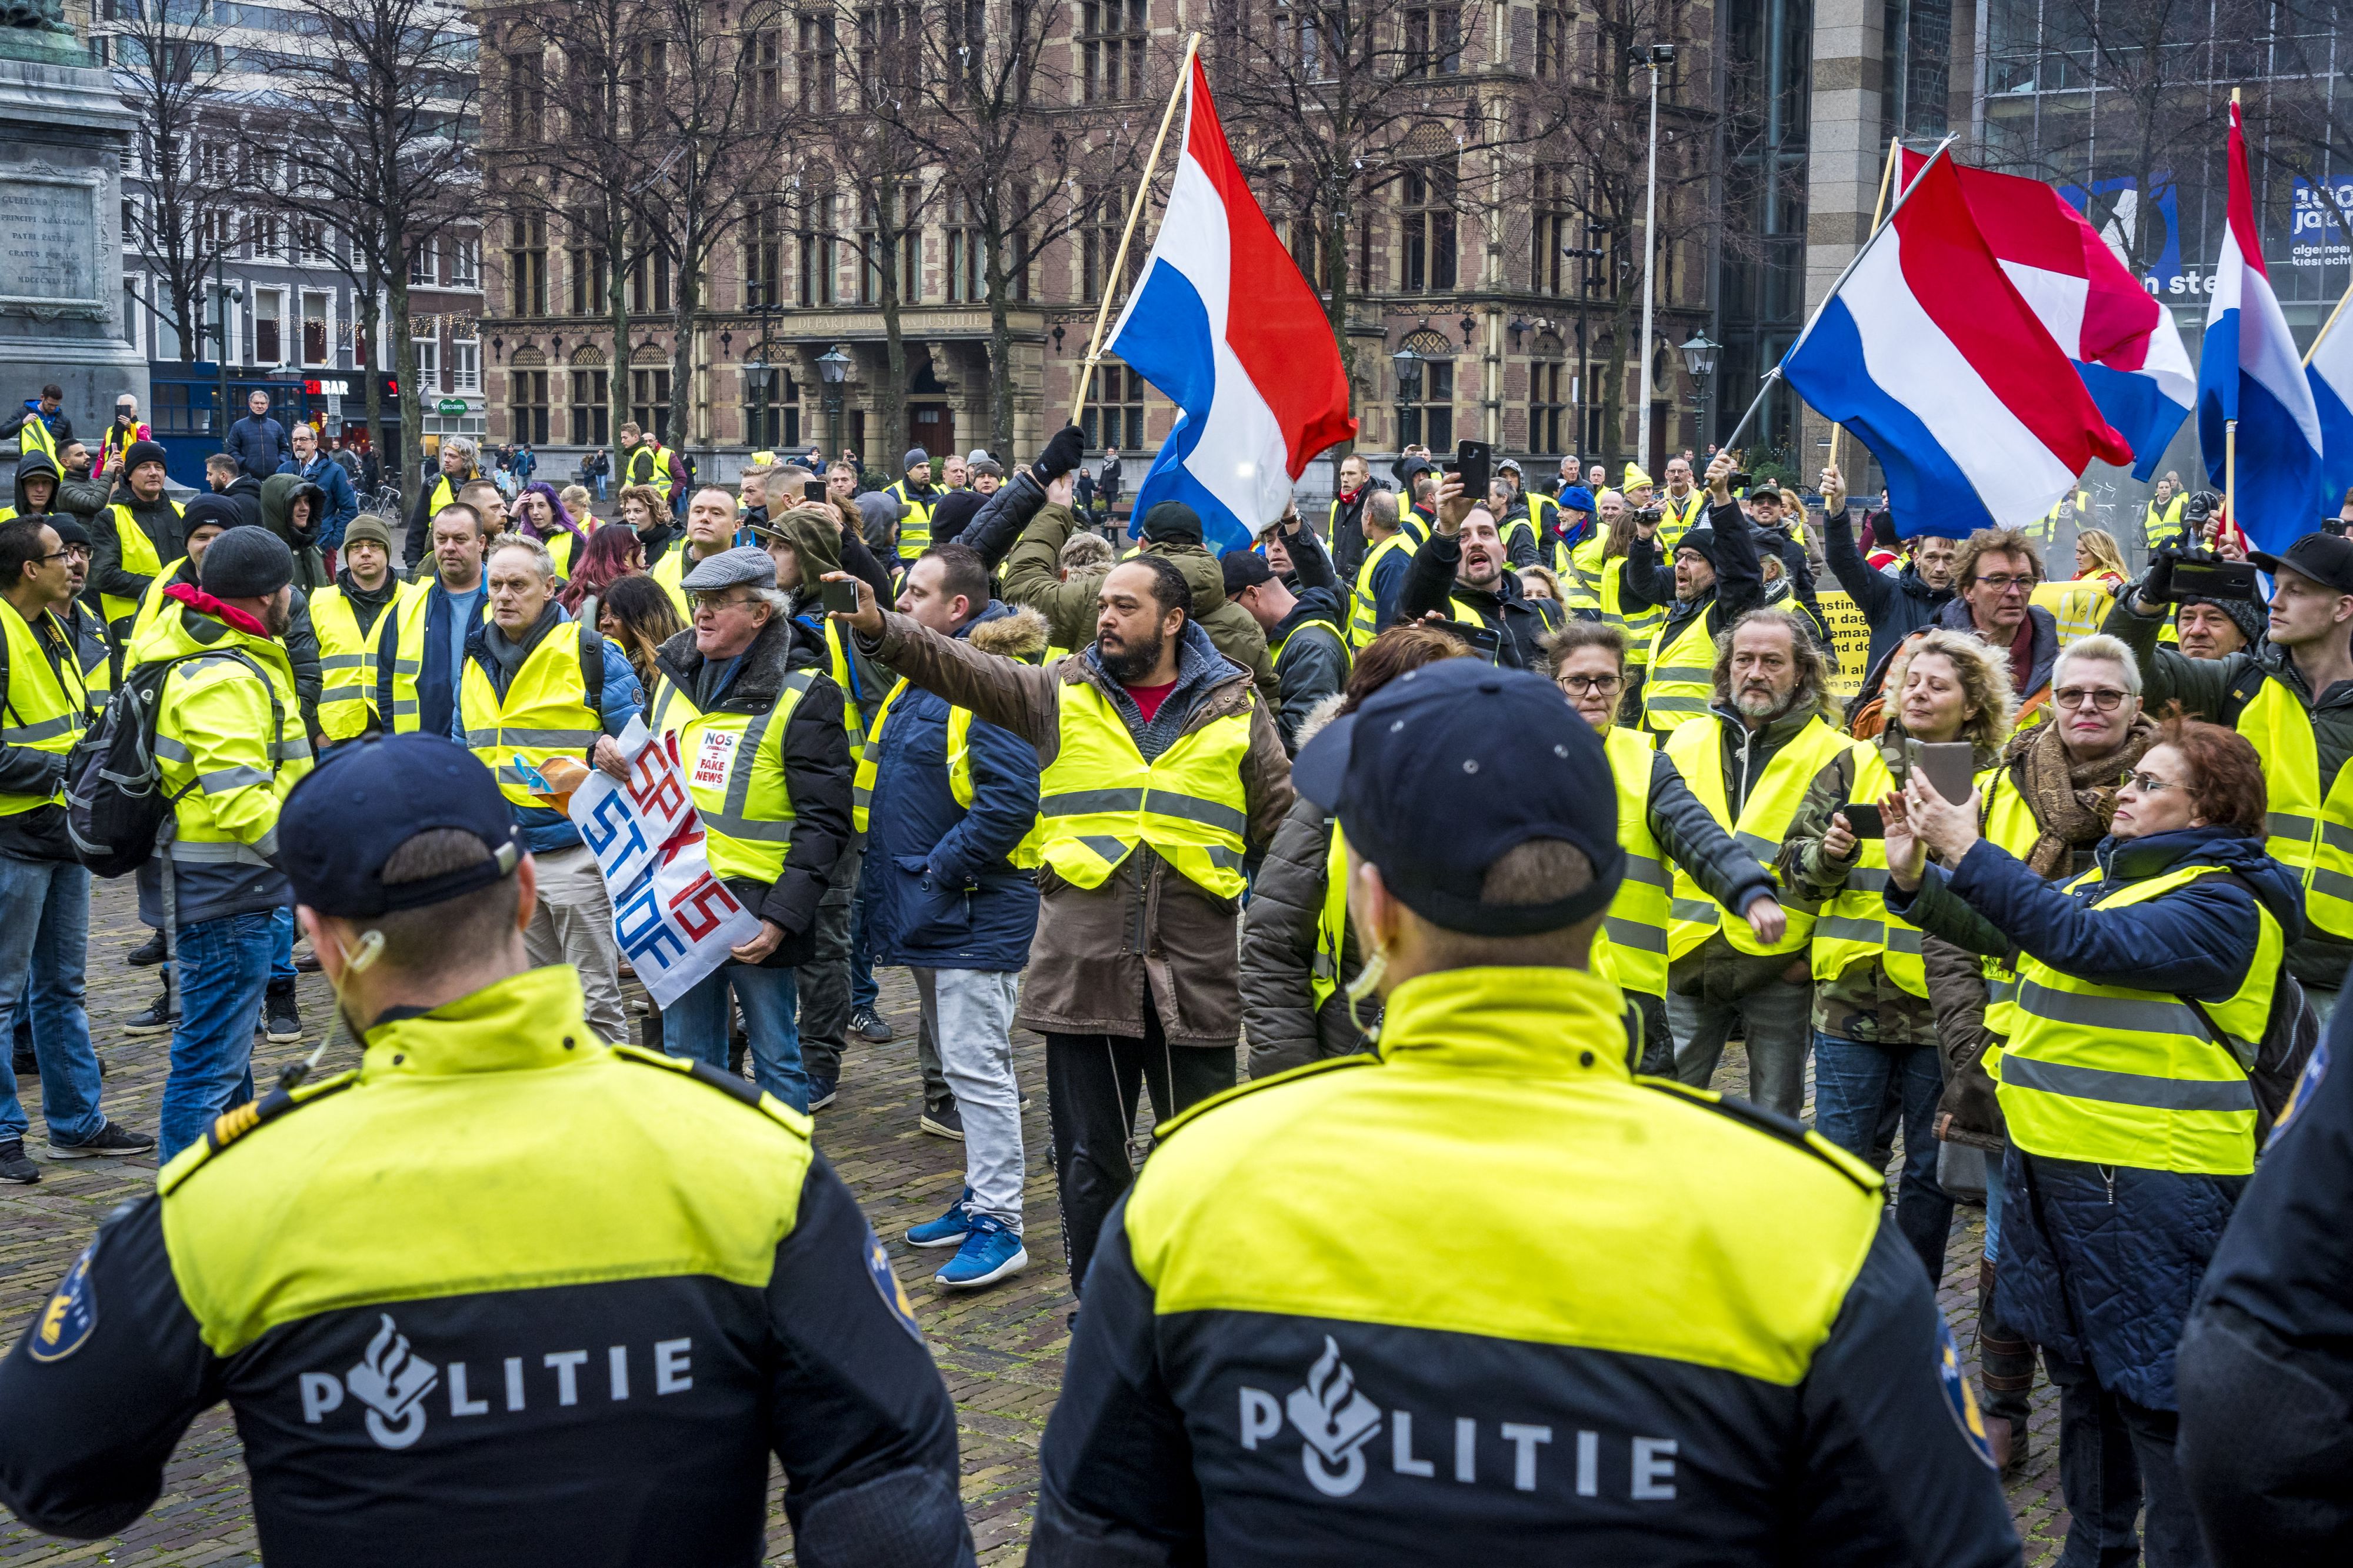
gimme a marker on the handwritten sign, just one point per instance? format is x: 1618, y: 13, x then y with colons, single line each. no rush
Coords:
x: 674, y: 920
x: 1849, y: 638
x: 49, y: 240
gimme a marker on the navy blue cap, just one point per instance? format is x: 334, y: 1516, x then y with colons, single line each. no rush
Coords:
x: 1451, y: 766
x: 366, y: 799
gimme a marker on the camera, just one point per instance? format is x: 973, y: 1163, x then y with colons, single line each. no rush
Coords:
x: 1649, y: 513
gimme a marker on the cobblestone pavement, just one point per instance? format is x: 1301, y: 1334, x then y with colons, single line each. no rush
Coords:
x: 1001, y: 1350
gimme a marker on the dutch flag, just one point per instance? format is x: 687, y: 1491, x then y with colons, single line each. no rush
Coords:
x: 1223, y: 324
x: 2249, y: 372
x: 1926, y: 353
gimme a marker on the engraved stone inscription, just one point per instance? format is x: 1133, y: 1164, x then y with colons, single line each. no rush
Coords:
x: 49, y: 240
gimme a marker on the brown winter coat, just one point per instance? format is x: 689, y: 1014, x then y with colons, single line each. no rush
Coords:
x: 1097, y: 948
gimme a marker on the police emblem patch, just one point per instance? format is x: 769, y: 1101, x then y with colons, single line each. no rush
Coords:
x: 1959, y: 1398
x: 887, y: 1286
x: 71, y: 1316
x: 2308, y: 1084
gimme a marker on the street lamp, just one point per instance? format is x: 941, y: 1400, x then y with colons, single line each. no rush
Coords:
x: 1650, y: 56
x: 1699, y: 358
x: 831, y: 366
x: 1408, y: 381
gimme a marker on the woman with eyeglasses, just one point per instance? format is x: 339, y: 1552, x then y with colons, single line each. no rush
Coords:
x: 1659, y: 821
x: 2144, y: 984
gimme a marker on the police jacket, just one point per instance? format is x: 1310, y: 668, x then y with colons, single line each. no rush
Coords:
x: 501, y: 1296
x: 815, y: 751
x: 1547, y: 1352
x: 2265, y: 1369
x: 1431, y: 585
x: 1894, y: 607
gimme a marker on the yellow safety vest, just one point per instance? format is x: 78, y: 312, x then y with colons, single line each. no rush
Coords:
x: 33, y: 435
x: 1541, y: 510
x: 1100, y: 799
x: 1682, y: 674
x: 138, y: 559
x: 1678, y: 518
x: 153, y: 610
x: 1026, y: 855
x: 547, y: 711
x: 1697, y: 752
x: 1580, y: 571
x: 852, y: 721
x: 2009, y: 824
x: 2045, y: 529
x: 658, y: 471
x: 2308, y: 823
x: 47, y: 706
x: 672, y: 570
x: 1363, y: 623
x: 1609, y: 590
x: 1856, y: 927
x: 915, y: 528
x: 736, y: 771
x: 2112, y: 1076
x: 2159, y: 527
x: 1331, y: 922
x: 560, y: 547
x: 402, y: 626
x: 117, y: 443
x: 1322, y: 627
x: 1637, y: 922
x: 346, y: 659
x: 2080, y: 606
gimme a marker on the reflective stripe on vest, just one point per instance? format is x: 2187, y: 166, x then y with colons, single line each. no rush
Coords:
x: 346, y: 664
x: 1363, y: 623
x: 2112, y: 1076
x: 1323, y: 627
x: 1856, y: 927
x: 853, y: 721
x: 1640, y: 627
x: 915, y: 528
x: 1331, y: 921
x: 1026, y: 855
x: 47, y: 707
x: 1637, y: 922
x: 1101, y: 799
x: 1679, y: 517
x: 402, y: 625
x: 2308, y: 831
x: 542, y: 716
x: 2159, y: 527
x: 1697, y: 752
x: 1682, y: 675
x: 735, y: 771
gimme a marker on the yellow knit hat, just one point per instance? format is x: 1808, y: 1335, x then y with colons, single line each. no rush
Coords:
x: 1637, y: 479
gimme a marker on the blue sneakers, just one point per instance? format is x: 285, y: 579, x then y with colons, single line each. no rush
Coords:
x: 989, y: 1252
x: 948, y: 1230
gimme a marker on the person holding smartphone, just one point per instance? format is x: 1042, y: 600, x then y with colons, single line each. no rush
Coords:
x: 1465, y: 574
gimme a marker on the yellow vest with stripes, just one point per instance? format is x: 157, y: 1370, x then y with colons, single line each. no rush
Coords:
x: 1363, y: 617
x: 2309, y: 821
x: 402, y: 627
x: 33, y: 435
x: 736, y: 771
x: 1856, y: 927
x: 1637, y: 922
x: 47, y: 706
x: 1026, y: 855
x: 544, y: 714
x: 2160, y: 525
x: 1682, y: 674
x: 347, y: 660
x: 2113, y: 1076
x: 1697, y: 752
x: 915, y: 528
x: 2080, y: 606
x: 1678, y: 518
x: 138, y: 559
x: 1100, y: 799
x: 2009, y: 824
x: 1322, y: 628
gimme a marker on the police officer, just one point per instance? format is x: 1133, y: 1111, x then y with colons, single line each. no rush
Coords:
x: 1448, y: 1301
x: 461, y: 1322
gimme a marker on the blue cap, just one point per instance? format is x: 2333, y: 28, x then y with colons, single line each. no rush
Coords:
x: 366, y: 799
x: 1451, y: 766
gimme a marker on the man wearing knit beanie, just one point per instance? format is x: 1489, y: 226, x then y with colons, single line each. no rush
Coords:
x: 230, y: 740
x: 132, y: 540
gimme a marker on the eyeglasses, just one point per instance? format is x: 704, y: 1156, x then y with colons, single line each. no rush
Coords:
x: 1574, y: 683
x: 2003, y: 583
x: 2149, y: 784
x: 719, y: 601
x: 2105, y: 698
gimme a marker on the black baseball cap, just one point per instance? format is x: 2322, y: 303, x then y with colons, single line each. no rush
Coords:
x: 366, y: 799
x: 2325, y: 558
x: 1244, y: 569
x: 1448, y: 768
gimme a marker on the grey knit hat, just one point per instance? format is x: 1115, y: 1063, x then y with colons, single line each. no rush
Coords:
x: 915, y: 454
x: 247, y: 563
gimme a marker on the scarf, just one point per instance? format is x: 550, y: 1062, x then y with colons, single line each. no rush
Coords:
x: 2072, y: 801
x: 204, y: 604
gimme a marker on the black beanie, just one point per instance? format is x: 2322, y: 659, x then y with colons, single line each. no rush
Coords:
x: 247, y: 563
x: 145, y: 452
x: 1700, y: 542
x: 1172, y: 522
x: 70, y: 529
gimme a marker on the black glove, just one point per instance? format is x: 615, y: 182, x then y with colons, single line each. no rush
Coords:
x: 2157, y: 583
x: 1061, y: 454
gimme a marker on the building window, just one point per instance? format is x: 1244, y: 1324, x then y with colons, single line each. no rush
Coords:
x: 428, y: 362
x: 817, y: 257
x: 527, y: 265
x: 650, y: 401
x: 908, y: 263
x: 527, y: 407
x: 1547, y: 409
x: 269, y: 324
x: 317, y: 313
x: 268, y: 236
x: 1098, y: 242
x: 814, y: 63
x: 591, y: 417
x: 1427, y: 255
x: 1114, y: 414
x: 1111, y: 48
x: 772, y: 415
x: 767, y: 52
x: 889, y: 43
x: 526, y: 96
x: 967, y: 270
x: 465, y: 263
x: 1431, y: 422
x: 649, y: 285
x: 648, y: 74
x: 465, y: 364
x: 310, y: 242
x: 764, y: 257
x: 1552, y: 42
x: 1548, y: 272
x: 424, y: 266
x: 1433, y: 39
x: 584, y: 262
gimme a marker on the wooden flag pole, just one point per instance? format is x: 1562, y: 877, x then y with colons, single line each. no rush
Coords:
x: 2231, y: 472
x: 2327, y: 325
x: 1878, y: 209
x: 1134, y: 212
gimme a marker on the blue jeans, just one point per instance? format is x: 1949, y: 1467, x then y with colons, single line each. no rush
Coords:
x: 224, y: 970
x: 281, y: 950
x: 44, y: 942
x: 696, y: 1025
x: 1851, y: 1081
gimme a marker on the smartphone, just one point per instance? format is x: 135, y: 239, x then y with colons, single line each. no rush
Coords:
x: 1484, y: 641
x: 814, y: 489
x: 1950, y: 768
x: 1474, y: 461
x: 1863, y: 820
x: 2211, y: 579
x: 840, y: 598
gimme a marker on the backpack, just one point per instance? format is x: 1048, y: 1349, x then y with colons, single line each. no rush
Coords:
x: 2290, y: 1034
x: 115, y: 803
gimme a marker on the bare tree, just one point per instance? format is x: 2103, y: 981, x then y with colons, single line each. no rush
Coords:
x: 168, y: 69
x: 386, y: 89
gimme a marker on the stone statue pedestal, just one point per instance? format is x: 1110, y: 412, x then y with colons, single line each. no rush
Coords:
x: 64, y: 133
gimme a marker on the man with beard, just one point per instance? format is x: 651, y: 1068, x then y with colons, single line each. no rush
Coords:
x: 1683, y: 506
x: 1894, y: 607
x: 1463, y: 574
x: 1160, y: 774
x: 229, y: 740
x: 1749, y: 759
x: 1714, y: 579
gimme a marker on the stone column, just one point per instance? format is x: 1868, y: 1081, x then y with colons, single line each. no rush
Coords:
x: 1846, y: 150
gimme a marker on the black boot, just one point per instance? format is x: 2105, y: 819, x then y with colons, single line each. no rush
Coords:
x: 2006, y: 1369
